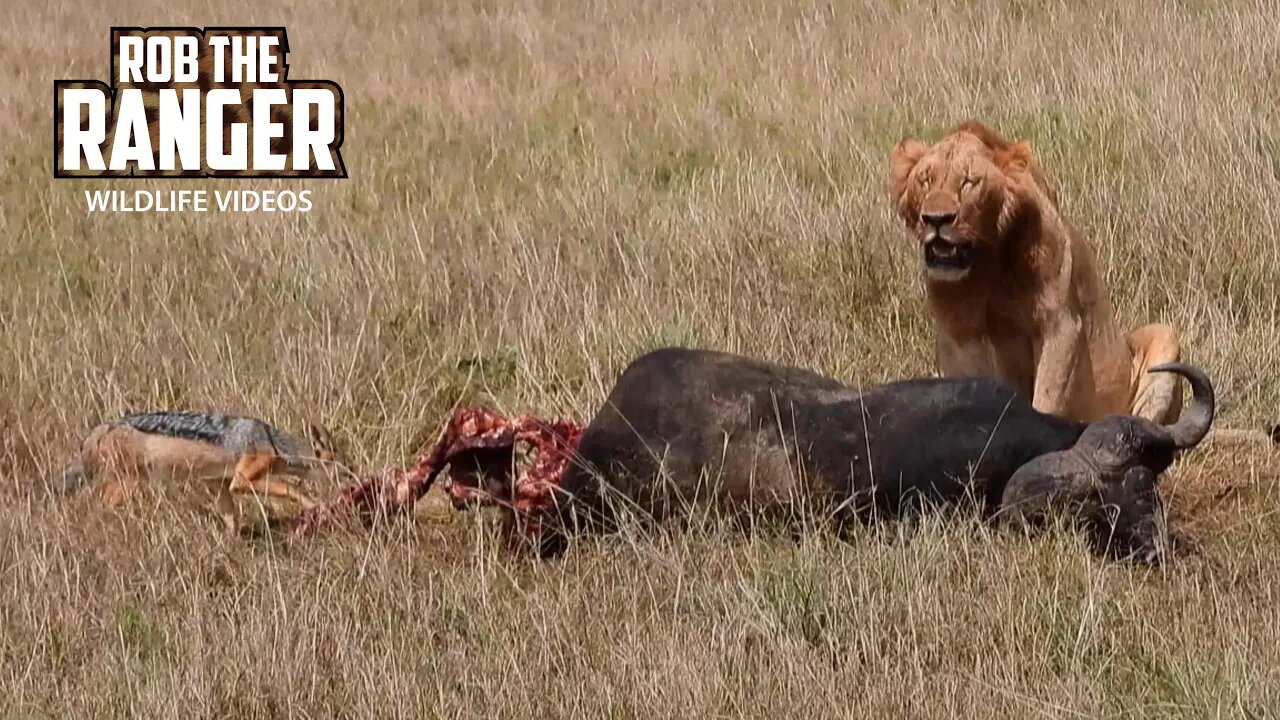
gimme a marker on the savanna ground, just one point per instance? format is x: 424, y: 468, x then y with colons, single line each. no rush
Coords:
x: 537, y: 194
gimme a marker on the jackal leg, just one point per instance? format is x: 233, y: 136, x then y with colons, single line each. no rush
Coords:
x: 227, y: 510
x: 1157, y: 396
x: 118, y: 489
x: 251, y: 476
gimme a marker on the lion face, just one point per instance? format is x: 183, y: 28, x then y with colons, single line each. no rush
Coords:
x: 959, y: 197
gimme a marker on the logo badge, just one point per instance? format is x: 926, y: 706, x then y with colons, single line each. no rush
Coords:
x: 186, y: 102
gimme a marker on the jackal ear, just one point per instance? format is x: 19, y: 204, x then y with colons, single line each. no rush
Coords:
x: 321, y: 439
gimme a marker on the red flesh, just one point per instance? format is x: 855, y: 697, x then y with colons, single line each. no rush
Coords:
x: 478, y: 446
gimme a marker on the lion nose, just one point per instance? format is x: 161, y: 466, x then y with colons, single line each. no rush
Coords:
x: 937, y: 218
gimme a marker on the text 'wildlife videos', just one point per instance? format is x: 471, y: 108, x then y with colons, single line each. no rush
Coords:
x: 247, y: 201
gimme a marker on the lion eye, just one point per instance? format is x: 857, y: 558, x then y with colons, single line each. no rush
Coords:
x: 968, y: 183
x: 924, y: 180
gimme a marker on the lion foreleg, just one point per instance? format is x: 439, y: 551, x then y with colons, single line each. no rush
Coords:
x: 1156, y: 396
x: 1064, y: 372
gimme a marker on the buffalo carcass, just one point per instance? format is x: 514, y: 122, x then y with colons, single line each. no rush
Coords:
x: 693, y: 428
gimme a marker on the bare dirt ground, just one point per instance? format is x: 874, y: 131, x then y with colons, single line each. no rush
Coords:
x: 537, y: 194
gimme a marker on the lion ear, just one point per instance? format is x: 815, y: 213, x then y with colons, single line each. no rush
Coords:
x: 905, y: 156
x: 903, y: 160
x: 1016, y: 158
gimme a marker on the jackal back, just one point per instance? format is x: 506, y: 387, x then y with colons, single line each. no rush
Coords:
x: 232, y: 432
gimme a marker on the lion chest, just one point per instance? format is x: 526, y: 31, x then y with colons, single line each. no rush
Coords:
x: 1013, y: 359
x: 993, y: 339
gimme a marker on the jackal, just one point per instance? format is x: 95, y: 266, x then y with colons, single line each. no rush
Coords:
x: 239, y: 454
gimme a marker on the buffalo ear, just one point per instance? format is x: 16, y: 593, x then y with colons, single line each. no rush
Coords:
x: 1017, y: 158
x: 906, y: 154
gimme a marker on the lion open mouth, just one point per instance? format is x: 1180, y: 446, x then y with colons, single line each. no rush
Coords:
x: 947, y: 260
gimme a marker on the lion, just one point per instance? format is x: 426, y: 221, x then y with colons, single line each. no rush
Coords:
x: 1014, y: 290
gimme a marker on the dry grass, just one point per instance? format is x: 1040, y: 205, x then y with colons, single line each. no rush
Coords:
x: 539, y: 193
